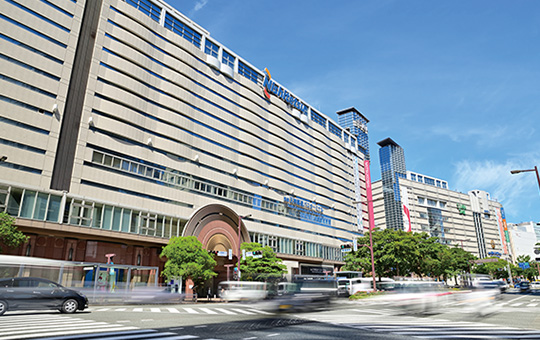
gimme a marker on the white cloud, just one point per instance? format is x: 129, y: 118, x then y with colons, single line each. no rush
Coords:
x: 518, y: 193
x: 200, y: 4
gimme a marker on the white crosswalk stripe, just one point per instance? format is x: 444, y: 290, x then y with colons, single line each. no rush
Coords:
x: 260, y: 311
x: 208, y: 311
x: 242, y: 311
x: 34, y: 326
x: 189, y: 310
x: 59, y: 327
x: 225, y: 311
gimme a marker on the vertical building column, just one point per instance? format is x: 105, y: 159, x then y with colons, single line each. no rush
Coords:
x: 71, y: 117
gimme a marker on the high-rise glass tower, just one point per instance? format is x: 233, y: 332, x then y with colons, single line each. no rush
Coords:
x: 356, y: 123
x: 392, y: 159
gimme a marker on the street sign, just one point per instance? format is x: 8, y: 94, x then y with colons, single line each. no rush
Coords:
x: 346, y: 250
x: 221, y: 253
x: 249, y: 253
x: 484, y: 260
x: 524, y: 265
x: 230, y: 254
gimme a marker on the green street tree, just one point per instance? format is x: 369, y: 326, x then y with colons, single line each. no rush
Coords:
x: 187, y: 258
x: 496, y: 270
x: 455, y: 261
x: 400, y: 253
x: 10, y: 236
x: 528, y: 273
x: 268, y: 267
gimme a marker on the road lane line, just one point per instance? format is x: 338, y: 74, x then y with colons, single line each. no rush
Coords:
x: 173, y: 310
x: 191, y: 311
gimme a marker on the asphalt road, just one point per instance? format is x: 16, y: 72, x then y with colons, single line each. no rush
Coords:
x: 511, y: 316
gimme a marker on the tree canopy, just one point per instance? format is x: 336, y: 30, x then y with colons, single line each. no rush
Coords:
x: 187, y: 258
x: 10, y: 236
x: 400, y: 253
x: 263, y: 268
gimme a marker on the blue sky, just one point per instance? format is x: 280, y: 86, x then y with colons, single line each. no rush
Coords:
x: 455, y: 83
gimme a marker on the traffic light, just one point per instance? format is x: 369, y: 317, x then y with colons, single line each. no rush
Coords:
x: 257, y: 252
x: 345, y: 248
x: 213, y: 252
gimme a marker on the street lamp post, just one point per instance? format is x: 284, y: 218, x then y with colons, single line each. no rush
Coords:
x: 240, y: 241
x: 371, y: 250
x: 513, y: 172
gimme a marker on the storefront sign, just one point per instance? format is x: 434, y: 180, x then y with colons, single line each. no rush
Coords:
x: 270, y: 87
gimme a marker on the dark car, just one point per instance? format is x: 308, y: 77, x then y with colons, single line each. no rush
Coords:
x: 523, y: 286
x: 31, y: 293
x: 307, y: 294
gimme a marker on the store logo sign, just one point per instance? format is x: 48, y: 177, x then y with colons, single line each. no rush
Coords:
x: 270, y: 87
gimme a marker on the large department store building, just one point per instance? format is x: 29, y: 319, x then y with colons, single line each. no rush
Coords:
x: 411, y: 201
x: 123, y: 123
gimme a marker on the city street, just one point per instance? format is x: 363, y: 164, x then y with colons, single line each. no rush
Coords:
x: 513, y: 316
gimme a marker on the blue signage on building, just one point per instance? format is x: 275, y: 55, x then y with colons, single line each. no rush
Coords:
x: 306, y: 211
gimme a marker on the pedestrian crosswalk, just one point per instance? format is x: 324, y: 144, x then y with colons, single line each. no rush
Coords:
x: 428, y: 328
x: 42, y: 326
x: 38, y: 325
x: 185, y: 310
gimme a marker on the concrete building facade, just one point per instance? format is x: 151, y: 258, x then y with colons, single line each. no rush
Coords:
x: 523, y: 239
x: 124, y: 123
x: 472, y: 221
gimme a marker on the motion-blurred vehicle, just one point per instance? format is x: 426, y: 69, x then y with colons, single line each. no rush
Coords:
x: 286, y: 288
x: 151, y: 295
x: 308, y: 293
x: 242, y: 290
x: 31, y: 293
x: 418, y: 297
x: 365, y: 284
x: 343, y: 287
x: 523, y: 286
x: 484, y: 284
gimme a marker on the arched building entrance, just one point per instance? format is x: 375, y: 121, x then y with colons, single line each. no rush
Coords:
x: 216, y: 227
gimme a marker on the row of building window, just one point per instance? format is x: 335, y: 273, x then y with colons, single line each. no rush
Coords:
x: 430, y: 181
x: 42, y: 206
x: 48, y: 207
x: 431, y: 203
x: 284, y: 245
x: 188, y: 182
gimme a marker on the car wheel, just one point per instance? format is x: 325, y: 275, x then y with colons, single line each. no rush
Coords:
x: 3, y: 307
x: 69, y: 306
